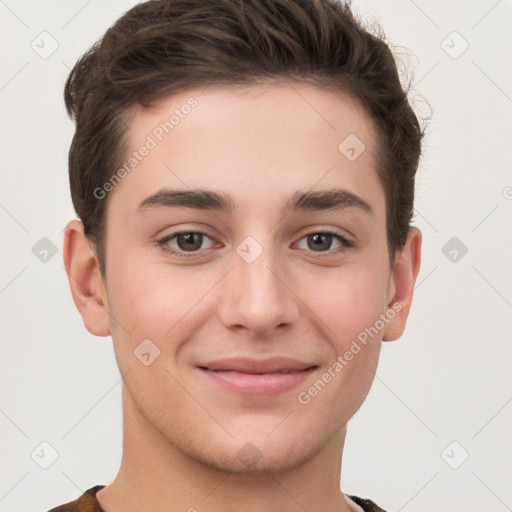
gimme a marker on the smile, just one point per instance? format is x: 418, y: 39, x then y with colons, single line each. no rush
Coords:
x: 250, y: 377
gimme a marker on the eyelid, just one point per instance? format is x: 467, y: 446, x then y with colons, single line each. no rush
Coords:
x: 311, y: 230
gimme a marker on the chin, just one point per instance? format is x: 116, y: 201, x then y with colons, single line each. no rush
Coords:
x: 253, y: 453
x: 251, y: 460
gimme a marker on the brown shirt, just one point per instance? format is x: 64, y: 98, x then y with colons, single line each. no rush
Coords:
x: 87, y: 502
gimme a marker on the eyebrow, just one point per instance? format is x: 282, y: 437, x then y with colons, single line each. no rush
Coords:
x: 334, y: 199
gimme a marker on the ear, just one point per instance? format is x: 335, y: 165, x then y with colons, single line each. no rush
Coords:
x: 402, y: 280
x: 85, y: 280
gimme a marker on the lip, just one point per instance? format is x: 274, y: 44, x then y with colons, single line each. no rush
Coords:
x: 253, y: 377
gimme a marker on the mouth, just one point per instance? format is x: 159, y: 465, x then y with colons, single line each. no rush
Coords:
x: 251, y: 377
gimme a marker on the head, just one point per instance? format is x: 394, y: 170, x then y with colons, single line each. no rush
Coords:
x: 292, y: 118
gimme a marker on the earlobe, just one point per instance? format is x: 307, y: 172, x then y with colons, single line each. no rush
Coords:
x: 85, y: 279
x: 403, y: 278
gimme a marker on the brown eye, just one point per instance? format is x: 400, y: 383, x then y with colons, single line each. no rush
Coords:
x: 189, y: 241
x: 319, y: 241
x: 183, y: 242
x: 322, y: 242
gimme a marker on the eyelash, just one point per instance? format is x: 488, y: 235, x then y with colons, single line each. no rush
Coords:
x: 163, y: 243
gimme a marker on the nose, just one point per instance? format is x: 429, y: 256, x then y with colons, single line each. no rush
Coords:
x: 258, y: 295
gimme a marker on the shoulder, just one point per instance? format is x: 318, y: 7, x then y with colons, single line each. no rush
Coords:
x: 87, y: 502
x: 366, y: 504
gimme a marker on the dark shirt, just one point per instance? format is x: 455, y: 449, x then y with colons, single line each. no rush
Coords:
x: 88, y: 502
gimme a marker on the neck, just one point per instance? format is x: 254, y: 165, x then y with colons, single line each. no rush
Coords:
x: 156, y: 475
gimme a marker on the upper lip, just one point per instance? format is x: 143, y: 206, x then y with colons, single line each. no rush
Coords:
x: 250, y: 365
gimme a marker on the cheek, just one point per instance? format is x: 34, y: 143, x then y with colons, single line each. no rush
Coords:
x: 349, y: 308
x: 356, y: 300
x: 156, y: 299
x: 347, y: 302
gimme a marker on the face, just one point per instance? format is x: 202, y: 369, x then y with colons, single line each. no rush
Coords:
x: 191, y: 282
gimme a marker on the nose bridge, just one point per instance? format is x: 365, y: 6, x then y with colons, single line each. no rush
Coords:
x: 254, y: 295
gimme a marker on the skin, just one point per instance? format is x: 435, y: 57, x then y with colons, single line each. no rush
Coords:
x: 182, y: 434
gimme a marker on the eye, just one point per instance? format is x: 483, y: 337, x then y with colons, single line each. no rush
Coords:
x: 186, y: 242
x: 322, y: 241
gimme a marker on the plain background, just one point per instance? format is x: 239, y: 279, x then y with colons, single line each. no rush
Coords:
x: 442, y: 392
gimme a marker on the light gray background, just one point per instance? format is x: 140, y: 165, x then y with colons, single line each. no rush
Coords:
x: 447, y: 379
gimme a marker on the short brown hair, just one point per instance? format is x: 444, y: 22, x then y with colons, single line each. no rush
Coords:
x: 162, y: 47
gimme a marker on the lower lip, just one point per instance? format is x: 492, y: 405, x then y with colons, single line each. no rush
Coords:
x: 260, y: 384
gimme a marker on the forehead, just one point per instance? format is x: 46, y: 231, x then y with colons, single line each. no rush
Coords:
x: 261, y: 110
x: 253, y: 141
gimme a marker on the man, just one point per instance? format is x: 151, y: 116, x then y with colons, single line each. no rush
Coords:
x: 275, y: 139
